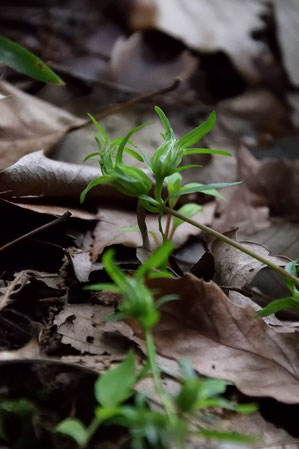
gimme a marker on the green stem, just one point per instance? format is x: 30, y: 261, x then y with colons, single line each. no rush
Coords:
x: 151, y: 355
x: 233, y: 243
x: 158, y: 191
x: 92, y: 428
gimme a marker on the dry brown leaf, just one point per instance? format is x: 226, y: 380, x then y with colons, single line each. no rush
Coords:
x: 236, y: 269
x: 82, y: 326
x: 225, y: 341
x: 148, y: 72
x: 107, y: 231
x: 29, y: 124
x: 243, y: 209
x: 204, y: 26
x: 35, y: 174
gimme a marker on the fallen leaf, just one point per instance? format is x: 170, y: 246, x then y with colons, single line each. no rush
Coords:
x: 190, y: 21
x: 29, y: 124
x: 30, y: 351
x: 286, y: 16
x: 242, y: 209
x: 225, y: 341
x: 150, y: 72
x: 37, y: 175
x: 82, y: 326
x: 236, y: 269
x: 108, y: 230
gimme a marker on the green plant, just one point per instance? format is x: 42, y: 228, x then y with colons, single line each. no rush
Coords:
x: 289, y: 301
x: 21, y: 408
x: 116, y: 386
x: 23, y: 61
x: 165, y: 166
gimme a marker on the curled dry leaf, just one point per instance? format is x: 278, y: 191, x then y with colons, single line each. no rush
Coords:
x: 149, y: 72
x: 29, y: 124
x: 37, y: 175
x: 236, y: 269
x: 203, y: 26
x: 225, y: 341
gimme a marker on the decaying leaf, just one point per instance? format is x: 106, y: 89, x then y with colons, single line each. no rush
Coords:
x: 108, y: 230
x: 203, y: 26
x: 35, y: 174
x: 243, y: 209
x: 29, y: 124
x: 149, y: 72
x: 83, y: 327
x: 236, y: 269
x: 225, y: 341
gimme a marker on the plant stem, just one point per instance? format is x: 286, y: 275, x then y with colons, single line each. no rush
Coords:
x: 92, y: 428
x: 151, y: 355
x: 167, y: 227
x: 233, y: 243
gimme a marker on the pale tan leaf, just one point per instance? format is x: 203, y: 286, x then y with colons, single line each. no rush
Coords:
x: 29, y: 124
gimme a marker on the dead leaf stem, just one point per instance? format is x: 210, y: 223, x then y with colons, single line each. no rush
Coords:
x: 233, y: 243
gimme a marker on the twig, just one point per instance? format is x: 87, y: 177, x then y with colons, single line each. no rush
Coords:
x: 233, y: 243
x: 63, y: 217
x: 133, y: 101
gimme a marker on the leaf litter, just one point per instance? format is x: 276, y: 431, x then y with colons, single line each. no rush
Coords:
x: 215, y: 325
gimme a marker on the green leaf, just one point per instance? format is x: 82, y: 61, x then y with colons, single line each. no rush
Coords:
x: 168, y: 129
x: 134, y: 154
x: 125, y: 141
x: 105, y: 137
x: 197, y: 133
x: 205, y: 188
x: 103, y: 286
x: 116, y: 274
x: 225, y: 436
x: 205, y: 151
x: 95, y: 182
x: 23, y: 61
x: 292, y: 269
x: 189, y: 210
x: 89, y: 156
x: 155, y: 260
x: 186, y: 167
x: 20, y: 407
x: 173, y: 183
x: 279, y: 304
x: 75, y: 429
x: 115, y: 386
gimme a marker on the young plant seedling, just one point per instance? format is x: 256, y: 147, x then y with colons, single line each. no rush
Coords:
x: 165, y: 167
x: 115, y: 387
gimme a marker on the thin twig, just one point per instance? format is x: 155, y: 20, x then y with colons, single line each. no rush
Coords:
x: 63, y: 217
x: 233, y: 243
x: 132, y: 102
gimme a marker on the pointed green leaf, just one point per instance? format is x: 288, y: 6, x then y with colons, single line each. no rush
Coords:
x: 292, y: 269
x: 225, y: 436
x: 155, y: 260
x: 103, y: 286
x: 168, y: 129
x: 23, y: 61
x: 115, y: 385
x: 205, y: 188
x: 279, y: 304
x: 75, y: 429
x: 134, y: 154
x: 125, y: 141
x: 94, y: 183
x: 189, y: 210
x: 99, y: 128
x: 197, y: 133
x: 186, y: 167
x: 116, y: 274
x: 205, y: 151
x: 89, y: 156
